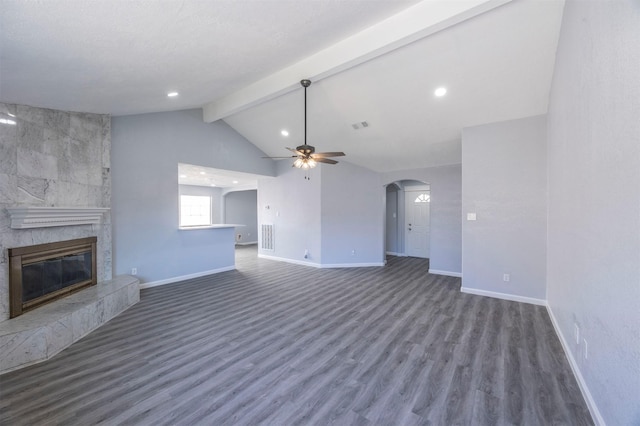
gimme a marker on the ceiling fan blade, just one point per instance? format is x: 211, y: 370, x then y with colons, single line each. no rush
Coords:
x: 327, y: 154
x: 325, y: 160
x: 295, y: 151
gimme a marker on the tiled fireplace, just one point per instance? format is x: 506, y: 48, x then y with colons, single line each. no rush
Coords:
x: 55, y: 295
x: 43, y: 273
x: 55, y: 186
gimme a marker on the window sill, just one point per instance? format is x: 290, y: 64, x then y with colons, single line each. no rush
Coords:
x: 214, y: 226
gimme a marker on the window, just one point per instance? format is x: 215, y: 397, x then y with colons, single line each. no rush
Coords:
x: 195, y: 210
x: 423, y: 198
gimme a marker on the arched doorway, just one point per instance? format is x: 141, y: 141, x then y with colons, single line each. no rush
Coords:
x: 407, y: 218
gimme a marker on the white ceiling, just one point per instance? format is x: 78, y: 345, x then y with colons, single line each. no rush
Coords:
x: 496, y: 66
x: 122, y: 57
x: 191, y: 174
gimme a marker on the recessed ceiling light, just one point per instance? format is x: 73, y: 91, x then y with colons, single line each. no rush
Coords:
x: 440, y: 91
x: 213, y: 184
x: 202, y: 173
x: 284, y: 132
x: 235, y: 181
x: 172, y: 94
x: 183, y: 176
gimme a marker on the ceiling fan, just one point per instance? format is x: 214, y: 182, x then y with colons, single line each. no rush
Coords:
x: 306, y: 155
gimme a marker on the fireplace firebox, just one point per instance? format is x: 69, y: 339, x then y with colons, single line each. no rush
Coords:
x: 42, y: 273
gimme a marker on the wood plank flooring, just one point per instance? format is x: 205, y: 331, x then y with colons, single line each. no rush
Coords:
x: 280, y: 344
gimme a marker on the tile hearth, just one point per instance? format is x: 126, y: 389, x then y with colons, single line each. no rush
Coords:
x: 40, y: 334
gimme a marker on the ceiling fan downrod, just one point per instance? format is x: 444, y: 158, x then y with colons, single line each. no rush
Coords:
x: 305, y: 83
x: 306, y: 155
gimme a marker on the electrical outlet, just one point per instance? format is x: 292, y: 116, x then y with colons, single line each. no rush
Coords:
x: 506, y: 277
x: 576, y: 331
x: 585, y: 350
x: 134, y: 271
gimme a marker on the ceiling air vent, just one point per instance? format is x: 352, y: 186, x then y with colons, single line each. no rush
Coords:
x: 360, y: 125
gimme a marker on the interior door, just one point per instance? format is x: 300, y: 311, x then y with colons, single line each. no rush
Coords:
x: 417, y: 220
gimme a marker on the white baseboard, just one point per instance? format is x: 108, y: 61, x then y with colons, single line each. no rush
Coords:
x: 320, y: 265
x: 350, y: 265
x: 286, y: 260
x: 591, y: 404
x: 250, y: 243
x: 187, y: 277
x: 392, y: 253
x: 505, y: 296
x: 593, y: 408
x: 447, y: 273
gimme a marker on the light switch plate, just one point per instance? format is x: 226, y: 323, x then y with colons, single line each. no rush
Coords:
x: 471, y: 216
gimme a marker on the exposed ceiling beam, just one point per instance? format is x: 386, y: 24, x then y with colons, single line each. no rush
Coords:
x: 414, y: 23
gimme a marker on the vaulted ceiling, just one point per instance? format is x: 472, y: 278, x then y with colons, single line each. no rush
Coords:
x: 377, y: 61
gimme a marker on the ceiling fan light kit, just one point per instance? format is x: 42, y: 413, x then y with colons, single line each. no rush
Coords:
x: 305, y: 155
x: 304, y: 163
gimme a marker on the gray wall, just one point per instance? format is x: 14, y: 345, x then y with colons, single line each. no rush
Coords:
x: 56, y: 159
x: 446, y: 217
x: 391, y: 218
x: 338, y: 210
x: 292, y: 204
x: 241, y: 207
x: 504, y: 183
x: 146, y: 150
x: 593, y: 258
x: 352, y: 218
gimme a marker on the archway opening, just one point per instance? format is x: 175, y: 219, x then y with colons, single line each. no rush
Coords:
x: 407, y: 227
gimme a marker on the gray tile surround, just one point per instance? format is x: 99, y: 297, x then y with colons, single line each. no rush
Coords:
x: 56, y: 159
x: 40, y: 334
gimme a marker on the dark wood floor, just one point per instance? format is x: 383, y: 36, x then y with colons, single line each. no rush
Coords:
x: 280, y: 344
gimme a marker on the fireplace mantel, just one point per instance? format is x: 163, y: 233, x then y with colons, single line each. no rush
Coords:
x: 42, y: 217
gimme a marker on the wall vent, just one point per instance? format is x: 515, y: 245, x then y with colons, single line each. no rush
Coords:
x: 267, y: 237
x: 360, y: 125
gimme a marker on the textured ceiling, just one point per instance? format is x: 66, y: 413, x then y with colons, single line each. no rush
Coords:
x: 496, y: 66
x: 123, y: 56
